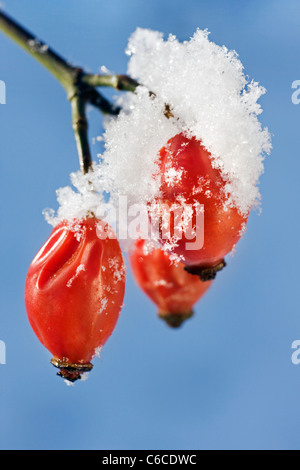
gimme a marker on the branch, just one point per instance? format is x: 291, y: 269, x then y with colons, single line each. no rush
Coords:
x: 119, y: 82
x: 80, y: 128
x: 79, y: 86
x: 59, y: 67
x: 96, y: 99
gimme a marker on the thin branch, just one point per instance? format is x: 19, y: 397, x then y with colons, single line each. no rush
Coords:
x: 81, y: 87
x: 59, y: 67
x: 96, y: 99
x: 79, y: 92
x: 119, y: 82
x: 80, y: 128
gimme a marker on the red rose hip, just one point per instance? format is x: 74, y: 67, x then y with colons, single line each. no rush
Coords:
x: 189, y: 179
x: 167, y: 284
x: 74, y: 294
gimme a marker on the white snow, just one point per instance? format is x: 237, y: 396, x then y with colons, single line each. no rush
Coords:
x: 103, y: 307
x: 117, y: 269
x: 79, y: 269
x: 75, y: 203
x: 98, y: 351
x: 210, y: 98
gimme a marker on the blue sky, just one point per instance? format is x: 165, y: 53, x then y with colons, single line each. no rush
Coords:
x: 226, y: 379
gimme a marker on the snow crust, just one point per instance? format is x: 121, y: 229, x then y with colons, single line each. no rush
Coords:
x: 209, y: 96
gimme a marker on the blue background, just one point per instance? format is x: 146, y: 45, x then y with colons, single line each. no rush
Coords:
x: 226, y: 379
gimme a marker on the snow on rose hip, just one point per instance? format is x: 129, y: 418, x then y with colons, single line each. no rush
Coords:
x: 192, y: 139
x: 74, y: 294
x: 188, y: 180
x: 167, y: 284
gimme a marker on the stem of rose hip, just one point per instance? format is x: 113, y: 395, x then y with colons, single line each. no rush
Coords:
x: 79, y: 85
x: 119, y: 82
x: 80, y: 128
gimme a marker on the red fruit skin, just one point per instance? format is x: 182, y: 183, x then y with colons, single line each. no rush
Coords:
x: 73, y: 296
x: 173, y: 290
x: 222, y: 228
